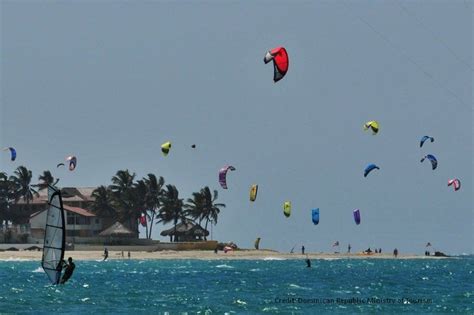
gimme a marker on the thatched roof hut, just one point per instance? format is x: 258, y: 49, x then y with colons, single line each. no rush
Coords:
x: 186, y: 231
x: 117, y: 230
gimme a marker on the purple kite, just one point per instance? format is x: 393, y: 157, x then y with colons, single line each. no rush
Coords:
x: 223, y: 175
x: 357, y: 216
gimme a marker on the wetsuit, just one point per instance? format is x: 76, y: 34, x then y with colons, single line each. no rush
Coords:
x: 68, y: 272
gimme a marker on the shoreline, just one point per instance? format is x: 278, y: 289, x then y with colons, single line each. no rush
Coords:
x: 203, y: 255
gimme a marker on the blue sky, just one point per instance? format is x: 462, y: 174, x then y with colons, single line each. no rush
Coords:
x: 110, y: 81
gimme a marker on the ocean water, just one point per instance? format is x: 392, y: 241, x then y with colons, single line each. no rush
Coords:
x: 243, y: 286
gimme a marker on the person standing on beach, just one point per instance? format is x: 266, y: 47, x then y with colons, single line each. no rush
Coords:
x: 128, y: 254
x: 395, y: 252
x: 68, y: 270
x: 302, y: 250
x: 349, y: 248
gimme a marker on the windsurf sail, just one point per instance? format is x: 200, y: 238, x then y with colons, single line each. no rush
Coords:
x: 257, y: 243
x: 54, y: 236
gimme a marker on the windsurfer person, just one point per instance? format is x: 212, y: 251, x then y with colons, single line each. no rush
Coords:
x: 68, y: 270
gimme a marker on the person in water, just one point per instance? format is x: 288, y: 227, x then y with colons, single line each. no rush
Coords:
x: 68, y: 270
x: 308, y: 262
x: 106, y: 253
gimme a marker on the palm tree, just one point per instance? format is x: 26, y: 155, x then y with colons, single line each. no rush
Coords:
x: 103, y: 202
x: 171, y: 209
x: 211, y: 209
x: 138, y: 201
x: 152, y: 201
x: 195, y: 207
x: 22, y: 187
x: 122, y: 182
x: 6, y: 196
x: 46, y: 179
x: 123, y: 197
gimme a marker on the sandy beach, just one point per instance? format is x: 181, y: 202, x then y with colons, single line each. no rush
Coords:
x: 204, y: 255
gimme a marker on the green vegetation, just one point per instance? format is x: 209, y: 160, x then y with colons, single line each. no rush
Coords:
x: 125, y: 199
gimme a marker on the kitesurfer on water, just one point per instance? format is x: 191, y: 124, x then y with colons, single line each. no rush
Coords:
x: 106, y: 253
x: 308, y: 262
x: 68, y: 270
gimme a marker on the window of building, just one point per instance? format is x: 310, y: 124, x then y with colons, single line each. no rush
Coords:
x: 70, y: 220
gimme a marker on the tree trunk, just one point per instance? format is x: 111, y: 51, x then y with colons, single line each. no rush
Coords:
x: 207, y: 221
x: 146, y: 226
x: 175, y: 223
x: 151, y: 223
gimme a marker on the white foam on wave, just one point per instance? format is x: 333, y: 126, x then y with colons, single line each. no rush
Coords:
x: 224, y: 266
x: 274, y: 258
x: 298, y: 287
x: 16, y: 259
x: 39, y: 269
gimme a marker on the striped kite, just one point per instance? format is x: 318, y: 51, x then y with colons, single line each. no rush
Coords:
x: 456, y: 183
x: 223, y: 175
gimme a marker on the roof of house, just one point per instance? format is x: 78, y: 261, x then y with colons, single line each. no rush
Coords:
x: 76, y: 210
x: 67, y: 193
x: 116, y: 229
x: 79, y: 211
x: 186, y: 228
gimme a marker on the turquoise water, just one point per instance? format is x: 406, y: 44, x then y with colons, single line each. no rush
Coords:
x: 243, y: 286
